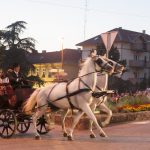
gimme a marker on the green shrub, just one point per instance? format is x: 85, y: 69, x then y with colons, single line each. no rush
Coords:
x: 127, y: 100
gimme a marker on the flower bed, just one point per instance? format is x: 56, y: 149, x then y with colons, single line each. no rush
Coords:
x: 134, y: 108
x: 130, y: 104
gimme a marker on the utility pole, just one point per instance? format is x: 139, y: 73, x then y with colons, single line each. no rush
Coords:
x: 85, y: 18
x: 62, y: 52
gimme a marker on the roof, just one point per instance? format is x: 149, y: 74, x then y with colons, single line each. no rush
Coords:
x: 70, y: 56
x: 122, y: 36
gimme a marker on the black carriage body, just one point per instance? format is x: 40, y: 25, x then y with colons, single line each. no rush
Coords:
x: 12, y: 118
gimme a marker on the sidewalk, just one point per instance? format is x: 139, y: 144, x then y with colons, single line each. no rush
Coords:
x: 116, y: 118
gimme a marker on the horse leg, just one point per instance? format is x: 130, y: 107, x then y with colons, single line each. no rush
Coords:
x: 76, y: 118
x: 105, y: 109
x: 35, y: 116
x: 63, y: 117
x: 91, y: 116
x: 92, y: 135
x: 50, y: 121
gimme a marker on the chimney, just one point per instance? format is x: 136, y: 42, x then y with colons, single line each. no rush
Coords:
x: 143, y: 31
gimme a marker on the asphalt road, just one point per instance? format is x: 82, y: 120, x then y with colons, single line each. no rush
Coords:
x: 129, y: 136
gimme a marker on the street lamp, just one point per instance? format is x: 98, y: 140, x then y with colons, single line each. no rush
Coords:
x: 62, y: 52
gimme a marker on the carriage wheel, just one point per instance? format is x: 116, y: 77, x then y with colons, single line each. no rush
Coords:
x: 23, y: 123
x: 41, y: 125
x: 7, y: 123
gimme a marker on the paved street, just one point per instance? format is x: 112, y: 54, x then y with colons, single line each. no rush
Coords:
x: 129, y: 136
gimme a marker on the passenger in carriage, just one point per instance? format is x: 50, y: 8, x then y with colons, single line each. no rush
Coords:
x: 17, y: 80
x: 7, y: 95
x: 3, y: 82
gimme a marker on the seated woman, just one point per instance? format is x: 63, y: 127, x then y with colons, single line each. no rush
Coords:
x: 7, y: 95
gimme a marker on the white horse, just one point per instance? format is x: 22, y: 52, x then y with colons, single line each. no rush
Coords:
x: 76, y: 93
x: 101, y: 85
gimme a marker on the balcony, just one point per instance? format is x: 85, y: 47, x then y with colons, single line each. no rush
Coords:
x: 137, y: 63
x: 139, y: 48
x: 148, y: 64
x: 135, y: 80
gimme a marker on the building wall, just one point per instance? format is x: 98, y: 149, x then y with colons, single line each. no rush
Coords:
x: 137, y: 58
x: 47, y: 72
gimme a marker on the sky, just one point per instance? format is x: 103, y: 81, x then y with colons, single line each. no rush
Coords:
x: 57, y: 24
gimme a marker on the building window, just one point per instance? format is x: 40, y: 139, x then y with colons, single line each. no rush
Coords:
x: 49, y: 74
x: 37, y: 72
x: 145, y: 75
x: 145, y: 59
x: 43, y: 74
x: 136, y: 75
x: 136, y: 57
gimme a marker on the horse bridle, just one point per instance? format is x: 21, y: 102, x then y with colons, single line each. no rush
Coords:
x: 102, y: 66
x: 80, y: 80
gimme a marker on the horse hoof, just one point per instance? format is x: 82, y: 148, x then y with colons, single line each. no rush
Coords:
x: 92, y: 136
x: 103, y: 135
x: 65, y: 134
x: 70, y: 138
x: 37, y: 137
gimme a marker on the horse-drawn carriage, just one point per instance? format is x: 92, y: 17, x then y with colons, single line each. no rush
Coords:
x: 76, y: 94
x: 12, y: 118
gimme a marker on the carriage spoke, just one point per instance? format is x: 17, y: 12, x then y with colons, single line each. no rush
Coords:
x: 7, y: 131
x: 7, y: 123
x: 41, y: 127
x: 1, y: 122
x: 44, y: 127
x: 9, y: 116
x: 10, y: 128
x: 21, y: 126
x: 38, y: 123
x: 26, y: 125
x: 3, y: 130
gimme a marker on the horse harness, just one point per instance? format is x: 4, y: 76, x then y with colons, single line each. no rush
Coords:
x: 68, y: 95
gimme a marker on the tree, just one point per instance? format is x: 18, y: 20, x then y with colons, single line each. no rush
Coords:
x: 16, y: 48
x: 101, y: 50
x: 2, y: 55
x: 114, y: 54
x: 11, y: 37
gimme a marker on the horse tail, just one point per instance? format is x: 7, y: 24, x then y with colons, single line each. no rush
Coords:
x: 30, y: 103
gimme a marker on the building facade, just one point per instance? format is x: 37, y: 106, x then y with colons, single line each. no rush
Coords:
x: 134, y: 47
x: 54, y: 66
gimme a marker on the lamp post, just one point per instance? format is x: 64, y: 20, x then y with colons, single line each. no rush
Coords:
x: 62, y: 52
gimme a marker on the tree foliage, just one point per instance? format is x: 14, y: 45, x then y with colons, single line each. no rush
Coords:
x: 114, y: 54
x: 14, y: 48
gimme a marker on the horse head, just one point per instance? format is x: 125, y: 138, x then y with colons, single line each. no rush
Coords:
x: 101, y: 65
x: 118, y: 68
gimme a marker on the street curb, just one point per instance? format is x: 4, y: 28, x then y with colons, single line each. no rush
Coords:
x: 116, y: 118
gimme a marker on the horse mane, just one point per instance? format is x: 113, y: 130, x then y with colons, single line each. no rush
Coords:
x: 84, y: 66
